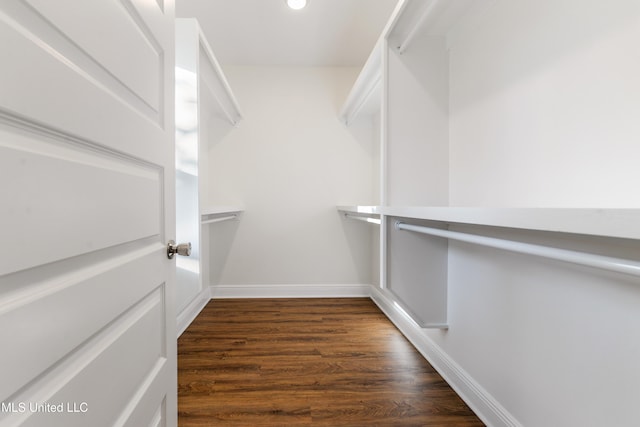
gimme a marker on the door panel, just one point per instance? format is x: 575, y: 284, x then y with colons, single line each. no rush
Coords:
x: 50, y: 192
x: 112, y: 350
x: 70, y: 93
x: 91, y: 285
x: 87, y: 319
x: 138, y: 68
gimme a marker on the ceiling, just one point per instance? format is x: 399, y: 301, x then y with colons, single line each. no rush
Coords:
x: 267, y: 32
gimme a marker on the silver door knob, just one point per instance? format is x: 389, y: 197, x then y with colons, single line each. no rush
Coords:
x: 183, y: 249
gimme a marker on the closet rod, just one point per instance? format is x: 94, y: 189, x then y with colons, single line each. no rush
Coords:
x: 222, y: 218
x: 363, y: 218
x: 582, y: 258
x: 413, y: 31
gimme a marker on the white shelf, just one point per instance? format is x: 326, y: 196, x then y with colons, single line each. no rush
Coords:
x: 365, y: 97
x: 363, y: 210
x: 620, y: 223
x: 192, y: 45
x: 420, y: 18
x: 219, y: 214
x: 221, y: 210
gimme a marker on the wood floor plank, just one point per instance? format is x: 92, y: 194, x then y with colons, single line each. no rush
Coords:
x: 299, y: 362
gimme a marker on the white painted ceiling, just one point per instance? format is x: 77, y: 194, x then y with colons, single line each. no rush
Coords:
x: 267, y: 32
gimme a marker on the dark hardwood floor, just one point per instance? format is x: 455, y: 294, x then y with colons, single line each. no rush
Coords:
x: 297, y: 362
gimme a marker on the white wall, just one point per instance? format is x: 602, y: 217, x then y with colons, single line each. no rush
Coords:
x: 289, y: 163
x: 417, y: 125
x: 545, y: 112
x: 545, y: 101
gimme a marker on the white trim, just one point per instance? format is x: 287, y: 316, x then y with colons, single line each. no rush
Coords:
x: 191, y: 311
x: 479, y: 400
x: 290, y: 291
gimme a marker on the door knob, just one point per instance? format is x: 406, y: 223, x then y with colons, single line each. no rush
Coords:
x: 183, y: 249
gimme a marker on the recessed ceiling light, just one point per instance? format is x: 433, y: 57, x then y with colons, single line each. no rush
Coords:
x: 296, y: 4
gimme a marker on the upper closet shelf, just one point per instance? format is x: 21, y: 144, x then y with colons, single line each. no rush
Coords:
x: 195, y: 55
x: 620, y: 223
x: 419, y: 18
x: 365, y: 98
x: 410, y: 19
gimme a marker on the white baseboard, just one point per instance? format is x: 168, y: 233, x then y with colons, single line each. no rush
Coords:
x: 479, y: 400
x: 290, y: 291
x: 192, y: 310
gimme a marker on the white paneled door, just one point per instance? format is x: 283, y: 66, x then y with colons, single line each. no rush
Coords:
x: 87, y: 324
